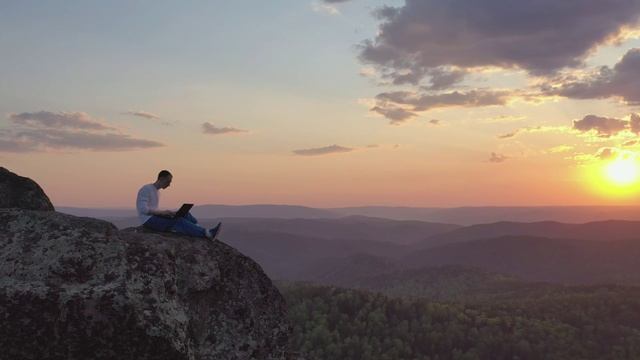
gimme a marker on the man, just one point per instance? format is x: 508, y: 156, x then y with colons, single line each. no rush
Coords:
x: 162, y: 220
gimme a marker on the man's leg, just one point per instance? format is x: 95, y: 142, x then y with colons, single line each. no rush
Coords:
x: 184, y: 226
x: 190, y: 218
x: 159, y: 223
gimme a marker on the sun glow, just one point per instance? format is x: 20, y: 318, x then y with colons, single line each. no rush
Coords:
x: 617, y: 178
x: 622, y: 171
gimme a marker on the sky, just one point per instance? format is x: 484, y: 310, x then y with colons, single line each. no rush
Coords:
x: 324, y: 103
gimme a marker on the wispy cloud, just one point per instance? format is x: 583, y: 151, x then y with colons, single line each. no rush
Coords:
x: 325, y: 7
x: 534, y: 129
x: 143, y: 114
x: 399, y: 106
x: 70, y: 120
x: 497, y: 158
x: 560, y: 149
x: 331, y: 149
x: 211, y: 129
x: 45, y: 131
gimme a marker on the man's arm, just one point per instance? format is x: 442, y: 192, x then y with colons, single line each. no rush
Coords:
x: 142, y: 204
x: 161, y: 212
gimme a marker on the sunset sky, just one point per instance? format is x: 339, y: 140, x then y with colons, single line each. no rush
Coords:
x: 324, y: 103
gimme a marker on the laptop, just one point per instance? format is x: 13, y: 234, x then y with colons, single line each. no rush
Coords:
x: 182, y: 212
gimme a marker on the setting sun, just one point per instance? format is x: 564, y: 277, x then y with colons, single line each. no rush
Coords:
x: 622, y: 171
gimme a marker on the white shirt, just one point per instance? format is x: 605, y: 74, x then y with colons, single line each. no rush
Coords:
x: 148, y: 198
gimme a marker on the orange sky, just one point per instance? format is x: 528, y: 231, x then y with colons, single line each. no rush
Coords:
x: 264, y: 114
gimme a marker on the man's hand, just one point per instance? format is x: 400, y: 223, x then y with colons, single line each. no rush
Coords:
x: 165, y: 213
x: 168, y: 213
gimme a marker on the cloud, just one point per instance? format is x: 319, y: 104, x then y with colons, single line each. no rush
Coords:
x: 623, y: 81
x: 421, y: 38
x: 503, y: 119
x: 423, y: 102
x: 71, y: 120
x: 143, y: 114
x: 434, y: 122
x: 44, y: 130
x: 560, y: 149
x: 606, y: 153
x: 208, y: 128
x: 399, y: 106
x: 335, y: 1
x: 34, y: 140
x: 634, y: 123
x: 325, y: 7
x: 531, y: 129
x: 332, y: 149
x: 497, y: 158
x: 396, y: 114
x: 630, y: 143
x: 605, y: 127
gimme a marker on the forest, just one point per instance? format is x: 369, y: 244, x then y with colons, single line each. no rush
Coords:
x: 595, y: 322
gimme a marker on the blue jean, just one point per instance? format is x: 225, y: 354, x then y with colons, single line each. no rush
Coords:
x: 187, y: 225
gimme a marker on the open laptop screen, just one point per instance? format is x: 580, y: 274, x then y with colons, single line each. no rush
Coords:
x: 183, y: 211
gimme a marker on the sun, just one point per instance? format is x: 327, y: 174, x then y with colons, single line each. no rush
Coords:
x: 622, y: 171
x: 615, y: 179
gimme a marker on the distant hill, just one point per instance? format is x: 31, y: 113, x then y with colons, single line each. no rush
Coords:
x: 601, y: 230
x: 262, y: 211
x: 286, y: 256
x: 491, y: 214
x: 351, y: 227
x: 542, y: 259
x: 349, y: 270
x: 459, y: 215
x: 217, y: 211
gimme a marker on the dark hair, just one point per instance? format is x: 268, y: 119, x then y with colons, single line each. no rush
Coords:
x: 164, y: 173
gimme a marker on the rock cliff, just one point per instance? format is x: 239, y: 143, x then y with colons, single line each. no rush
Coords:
x: 78, y: 288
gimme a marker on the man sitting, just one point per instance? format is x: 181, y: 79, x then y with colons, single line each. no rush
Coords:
x: 162, y: 220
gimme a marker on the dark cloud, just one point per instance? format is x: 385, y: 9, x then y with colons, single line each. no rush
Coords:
x: 443, y: 79
x: 44, y: 130
x: 434, y: 121
x: 332, y: 149
x: 605, y: 127
x: 208, y: 128
x: 71, y: 120
x: 497, y: 158
x: 630, y: 143
x: 143, y: 114
x: 623, y: 80
x: 540, y: 36
x: 335, y: 1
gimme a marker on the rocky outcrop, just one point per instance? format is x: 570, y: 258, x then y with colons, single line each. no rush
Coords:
x: 77, y: 288
x: 21, y: 192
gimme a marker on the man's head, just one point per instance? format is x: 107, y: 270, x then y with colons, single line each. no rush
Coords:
x: 164, y: 179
